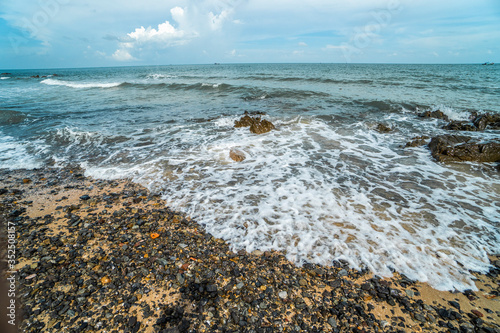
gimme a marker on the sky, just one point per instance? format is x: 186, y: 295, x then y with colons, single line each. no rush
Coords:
x: 97, y: 33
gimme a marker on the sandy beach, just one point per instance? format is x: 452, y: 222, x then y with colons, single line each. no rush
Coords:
x: 109, y: 256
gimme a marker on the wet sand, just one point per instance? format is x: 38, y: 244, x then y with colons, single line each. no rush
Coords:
x: 109, y: 256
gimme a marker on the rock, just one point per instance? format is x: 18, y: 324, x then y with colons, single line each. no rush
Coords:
x: 261, y: 127
x: 343, y: 273
x: 461, y: 125
x: 477, y: 123
x: 417, y: 141
x: 434, y: 114
x: 85, y: 197
x: 237, y: 155
x: 477, y: 313
x: 410, y: 293
x: 332, y: 322
x: 256, y: 124
x: 381, y: 128
x: 455, y: 148
x: 283, y: 294
x: 454, y: 304
x: 245, y: 121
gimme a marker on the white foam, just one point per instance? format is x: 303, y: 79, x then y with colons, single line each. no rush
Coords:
x: 14, y: 155
x: 321, y: 193
x: 157, y: 76
x: 452, y: 113
x: 80, y: 85
x: 4, y: 77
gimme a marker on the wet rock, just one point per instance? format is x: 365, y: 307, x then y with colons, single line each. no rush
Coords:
x: 237, y: 155
x: 453, y: 148
x: 381, y: 128
x: 417, y: 141
x: 256, y: 124
x: 461, y: 125
x: 434, y: 114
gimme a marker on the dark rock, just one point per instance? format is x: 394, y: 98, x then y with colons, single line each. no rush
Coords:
x: 418, y: 141
x: 85, y: 197
x: 461, y: 125
x: 381, y: 128
x: 453, y: 148
x: 454, y: 304
x: 434, y: 114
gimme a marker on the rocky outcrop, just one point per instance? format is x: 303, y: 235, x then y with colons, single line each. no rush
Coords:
x: 381, y: 128
x: 237, y: 155
x: 256, y: 124
x: 434, y: 114
x: 417, y: 141
x: 456, y: 148
x: 478, y: 123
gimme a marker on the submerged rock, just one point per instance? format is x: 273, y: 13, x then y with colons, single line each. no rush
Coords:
x: 477, y: 123
x: 417, y: 141
x: 434, y: 114
x: 455, y: 148
x: 237, y: 155
x: 381, y: 128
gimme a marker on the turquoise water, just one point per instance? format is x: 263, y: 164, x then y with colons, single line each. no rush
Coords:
x: 325, y: 185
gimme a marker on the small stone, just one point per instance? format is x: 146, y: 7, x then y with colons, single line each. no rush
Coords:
x: 26, y: 180
x: 211, y: 288
x: 240, y: 285
x: 332, y: 322
x: 410, y: 293
x: 283, y: 294
x: 454, y: 304
x: 105, y: 280
x: 85, y: 197
x: 419, y: 317
x: 343, y: 272
x: 477, y: 313
x: 303, y: 282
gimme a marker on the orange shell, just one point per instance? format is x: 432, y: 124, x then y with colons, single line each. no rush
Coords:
x: 155, y: 235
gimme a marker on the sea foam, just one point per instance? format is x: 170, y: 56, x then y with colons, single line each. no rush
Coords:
x: 321, y: 193
x: 80, y: 85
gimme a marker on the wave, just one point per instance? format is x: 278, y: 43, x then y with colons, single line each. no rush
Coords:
x: 53, y: 82
x: 4, y: 77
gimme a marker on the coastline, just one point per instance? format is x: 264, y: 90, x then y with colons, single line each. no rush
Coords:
x: 109, y: 256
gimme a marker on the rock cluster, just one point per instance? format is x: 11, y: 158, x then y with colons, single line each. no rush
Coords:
x: 256, y: 124
x: 456, y: 148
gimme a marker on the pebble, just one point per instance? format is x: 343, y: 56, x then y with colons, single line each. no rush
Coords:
x: 283, y: 294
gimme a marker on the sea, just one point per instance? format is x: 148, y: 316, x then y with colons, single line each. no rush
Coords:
x: 324, y: 185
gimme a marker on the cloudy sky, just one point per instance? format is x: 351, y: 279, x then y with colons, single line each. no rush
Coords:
x: 94, y: 33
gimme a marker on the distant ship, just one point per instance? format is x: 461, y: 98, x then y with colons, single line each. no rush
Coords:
x: 488, y: 63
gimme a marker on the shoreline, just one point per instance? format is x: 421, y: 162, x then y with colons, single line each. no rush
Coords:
x: 109, y: 256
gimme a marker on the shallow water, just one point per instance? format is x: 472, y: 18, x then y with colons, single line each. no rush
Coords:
x: 325, y: 185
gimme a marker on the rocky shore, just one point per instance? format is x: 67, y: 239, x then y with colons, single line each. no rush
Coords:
x: 109, y: 256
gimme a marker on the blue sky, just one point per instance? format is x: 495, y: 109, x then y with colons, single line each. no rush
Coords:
x: 94, y: 33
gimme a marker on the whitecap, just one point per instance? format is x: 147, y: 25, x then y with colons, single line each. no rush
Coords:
x: 53, y: 82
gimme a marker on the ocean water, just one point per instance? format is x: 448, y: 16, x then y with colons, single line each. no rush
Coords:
x: 324, y: 185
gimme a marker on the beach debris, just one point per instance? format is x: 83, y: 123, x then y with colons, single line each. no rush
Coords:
x: 237, y: 155
x: 154, y: 235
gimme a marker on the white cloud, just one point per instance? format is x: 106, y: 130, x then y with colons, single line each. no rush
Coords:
x: 302, y: 44
x: 122, y: 55
x: 165, y: 33
x: 216, y: 21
